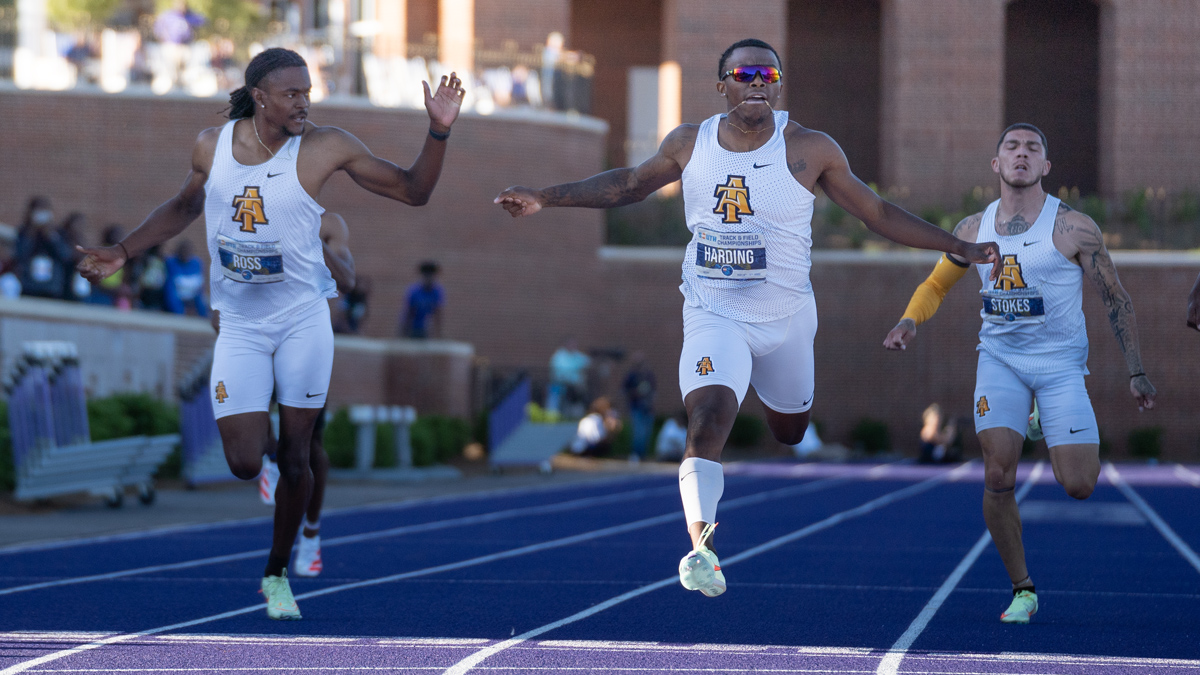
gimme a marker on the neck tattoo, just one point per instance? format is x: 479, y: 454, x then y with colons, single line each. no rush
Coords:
x: 254, y: 123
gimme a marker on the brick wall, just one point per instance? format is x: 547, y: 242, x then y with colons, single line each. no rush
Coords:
x: 526, y: 21
x: 1149, y: 95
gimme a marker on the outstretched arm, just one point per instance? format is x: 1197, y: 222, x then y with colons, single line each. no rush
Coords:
x: 929, y: 295
x: 335, y: 244
x: 617, y: 187
x: 1098, y: 266
x: 164, y: 222
x: 886, y: 219
x: 415, y: 184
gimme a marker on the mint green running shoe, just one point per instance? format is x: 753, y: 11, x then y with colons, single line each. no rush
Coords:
x: 281, y: 604
x: 1024, y: 605
x: 1034, y: 432
x: 700, y: 570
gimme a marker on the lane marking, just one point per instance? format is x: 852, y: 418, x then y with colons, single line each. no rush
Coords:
x: 890, y: 664
x: 11, y: 549
x: 357, y: 538
x: 1159, y: 524
x: 1187, y: 475
x: 471, y: 661
x: 814, y: 486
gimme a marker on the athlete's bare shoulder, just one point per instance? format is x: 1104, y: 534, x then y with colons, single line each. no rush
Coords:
x: 809, y: 152
x: 1075, y: 232
x: 679, y: 143
x: 205, y: 149
x: 968, y: 228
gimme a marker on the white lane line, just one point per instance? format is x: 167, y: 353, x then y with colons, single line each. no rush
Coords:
x: 357, y: 538
x: 1161, y: 525
x: 814, y: 486
x: 890, y: 664
x: 343, y: 510
x: 1187, y: 475
x: 473, y: 660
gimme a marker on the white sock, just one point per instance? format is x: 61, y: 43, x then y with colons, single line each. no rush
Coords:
x: 315, y: 527
x: 701, y: 483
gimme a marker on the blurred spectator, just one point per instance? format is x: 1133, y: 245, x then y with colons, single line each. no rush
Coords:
x: 351, y: 310
x: 937, y: 435
x: 551, y: 54
x: 593, y: 436
x: 174, y: 29
x: 149, y: 274
x: 672, y: 438
x: 10, y: 285
x: 423, y: 306
x: 183, y: 291
x: 84, y: 55
x: 568, y: 379
x: 44, y: 260
x: 71, y: 232
x: 640, y: 387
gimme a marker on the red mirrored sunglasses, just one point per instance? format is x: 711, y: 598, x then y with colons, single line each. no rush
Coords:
x: 770, y: 74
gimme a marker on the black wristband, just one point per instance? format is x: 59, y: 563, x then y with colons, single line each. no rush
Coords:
x: 122, y: 245
x: 1137, y: 375
x: 439, y: 136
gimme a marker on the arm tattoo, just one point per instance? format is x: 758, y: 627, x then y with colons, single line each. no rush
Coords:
x: 797, y: 167
x: 604, y: 190
x: 968, y: 223
x: 1121, y: 317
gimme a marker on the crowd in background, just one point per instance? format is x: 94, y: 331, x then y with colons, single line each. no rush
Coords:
x: 38, y: 258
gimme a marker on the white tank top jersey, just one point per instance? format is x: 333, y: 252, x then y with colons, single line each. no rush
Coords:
x: 751, y: 225
x: 263, y: 237
x: 1033, y: 314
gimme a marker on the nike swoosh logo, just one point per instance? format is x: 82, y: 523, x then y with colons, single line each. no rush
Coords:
x: 1075, y: 431
x: 810, y: 398
x: 272, y: 175
x: 312, y: 395
x: 1031, y: 243
x: 762, y: 166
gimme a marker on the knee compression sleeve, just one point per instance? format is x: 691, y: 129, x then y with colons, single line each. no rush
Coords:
x: 701, y: 483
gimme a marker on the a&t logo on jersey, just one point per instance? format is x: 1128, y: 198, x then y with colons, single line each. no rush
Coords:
x: 249, y: 209
x: 1010, y: 275
x: 733, y: 199
x: 704, y: 366
x: 220, y: 393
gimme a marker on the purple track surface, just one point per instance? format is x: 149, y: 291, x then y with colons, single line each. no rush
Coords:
x: 831, y: 568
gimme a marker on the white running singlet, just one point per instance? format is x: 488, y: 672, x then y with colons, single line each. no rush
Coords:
x: 1033, y: 314
x: 263, y: 237
x: 751, y: 225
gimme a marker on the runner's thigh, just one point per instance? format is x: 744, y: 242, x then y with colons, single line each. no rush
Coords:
x: 1001, y: 398
x: 715, y: 352
x: 784, y: 378
x: 304, y: 360
x: 242, y: 371
x: 1066, y: 409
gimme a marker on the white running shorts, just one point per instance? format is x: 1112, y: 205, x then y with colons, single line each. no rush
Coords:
x: 293, y: 359
x: 776, y: 357
x: 1004, y: 398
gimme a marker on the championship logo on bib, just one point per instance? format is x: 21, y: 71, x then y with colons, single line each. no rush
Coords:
x: 733, y: 199
x: 249, y: 209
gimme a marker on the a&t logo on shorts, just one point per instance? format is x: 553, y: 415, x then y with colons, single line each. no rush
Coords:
x: 249, y: 209
x: 733, y: 199
x: 220, y: 393
x: 704, y: 366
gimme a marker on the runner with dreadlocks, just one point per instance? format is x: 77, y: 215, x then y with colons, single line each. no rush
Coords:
x: 257, y: 179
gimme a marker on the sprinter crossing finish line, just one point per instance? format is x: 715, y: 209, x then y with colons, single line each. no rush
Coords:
x: 749, y: 313
x: 257, y: 179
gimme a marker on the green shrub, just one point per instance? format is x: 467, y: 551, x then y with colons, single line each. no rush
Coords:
x: 437, y: 438
x: 1146, y: 442
x: 1094, y: 207
x: 339, y: 440
x: 1187, y: 208
x: 871, y: 435
x: 747, y: 431
x: 385, y: 446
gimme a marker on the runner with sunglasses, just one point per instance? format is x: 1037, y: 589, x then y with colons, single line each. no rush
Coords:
x: 749, y: 316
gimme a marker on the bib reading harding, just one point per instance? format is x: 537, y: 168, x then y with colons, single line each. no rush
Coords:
x: 751, y: 225
x: 263, y: 237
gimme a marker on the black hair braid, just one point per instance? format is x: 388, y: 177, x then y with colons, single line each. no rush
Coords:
x: 241, y: 103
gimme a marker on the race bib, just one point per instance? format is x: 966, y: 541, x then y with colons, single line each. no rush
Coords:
x: 730, y: 255
x: 251, y: 262
x: 1023, y: 305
